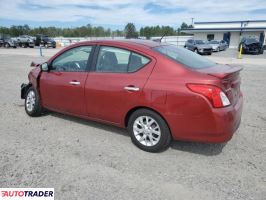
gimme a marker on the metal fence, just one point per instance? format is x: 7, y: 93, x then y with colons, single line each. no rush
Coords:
x: 175, y: 40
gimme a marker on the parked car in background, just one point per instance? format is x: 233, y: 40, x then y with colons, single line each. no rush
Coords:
x: 198, y: 46
x: 251, y: 45
x: 7, y: 42
x: 157, y: 91
x: 25, y: 41
x: 45, y: 41
x: 218, y: 45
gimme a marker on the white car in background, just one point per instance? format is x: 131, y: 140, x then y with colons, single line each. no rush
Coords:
x: 218, y: 45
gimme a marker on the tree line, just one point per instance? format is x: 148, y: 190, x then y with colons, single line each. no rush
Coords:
x: 93, y: 31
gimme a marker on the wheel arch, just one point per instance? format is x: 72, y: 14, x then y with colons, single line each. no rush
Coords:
x: 131, y: 111
x: 24, y: 89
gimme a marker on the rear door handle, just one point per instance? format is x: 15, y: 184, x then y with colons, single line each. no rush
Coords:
x: 74, y: 83
x: 131, y: 88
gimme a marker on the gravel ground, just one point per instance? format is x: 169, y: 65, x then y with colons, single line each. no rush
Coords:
x: 87, y: 160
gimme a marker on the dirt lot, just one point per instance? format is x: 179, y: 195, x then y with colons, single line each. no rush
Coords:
x: 86, y: 160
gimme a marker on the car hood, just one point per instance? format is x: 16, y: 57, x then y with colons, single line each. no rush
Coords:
x: 214, y: 45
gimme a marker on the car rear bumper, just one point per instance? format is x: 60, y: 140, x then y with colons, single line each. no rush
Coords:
x: 217, y: 126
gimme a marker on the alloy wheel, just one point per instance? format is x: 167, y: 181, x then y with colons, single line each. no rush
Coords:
x: 30, y: 101
x: 147, y: 131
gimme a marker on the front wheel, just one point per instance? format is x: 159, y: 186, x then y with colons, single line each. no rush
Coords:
x: 149, y: 131
x: 32, y: 103
x: 7, y: 45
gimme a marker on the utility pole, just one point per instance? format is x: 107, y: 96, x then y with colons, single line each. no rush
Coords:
x: 192, y: 21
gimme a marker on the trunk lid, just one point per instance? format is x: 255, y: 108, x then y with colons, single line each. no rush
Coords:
x: 229, y: 77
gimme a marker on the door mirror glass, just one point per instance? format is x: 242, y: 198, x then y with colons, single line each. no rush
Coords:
x: 44, y: 67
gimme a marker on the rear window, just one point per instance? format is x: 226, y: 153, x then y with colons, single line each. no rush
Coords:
x: 184, y: 56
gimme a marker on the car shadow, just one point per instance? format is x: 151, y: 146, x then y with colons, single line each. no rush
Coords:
x: 191, y: 147
x: 198, y: 148
x: 91, y: 123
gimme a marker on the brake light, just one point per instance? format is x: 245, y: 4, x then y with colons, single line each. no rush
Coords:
x: 214, y: 94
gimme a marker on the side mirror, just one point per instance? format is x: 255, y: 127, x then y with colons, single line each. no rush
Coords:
x: 44, y: 67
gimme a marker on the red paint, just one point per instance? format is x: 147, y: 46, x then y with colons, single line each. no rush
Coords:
x: 163, y: 88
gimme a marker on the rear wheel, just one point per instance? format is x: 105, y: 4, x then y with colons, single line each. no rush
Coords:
x: 149, y: 131
x: 32, y: 103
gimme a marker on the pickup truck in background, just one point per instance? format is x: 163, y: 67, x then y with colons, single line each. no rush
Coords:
x: 26, y: 41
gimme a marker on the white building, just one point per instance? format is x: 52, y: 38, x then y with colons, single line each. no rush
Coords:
x: 230, y: 31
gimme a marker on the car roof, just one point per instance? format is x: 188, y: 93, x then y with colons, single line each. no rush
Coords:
x: 134, y: 42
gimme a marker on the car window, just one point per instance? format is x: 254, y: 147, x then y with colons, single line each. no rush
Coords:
x: 251, y: 40
x: 73, y: 60
x: 136, y: 62
x: 116, y: 60
x: 199, y: 42
x: 184, y: 56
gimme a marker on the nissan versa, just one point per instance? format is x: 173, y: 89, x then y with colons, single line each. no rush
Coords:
x: 157, y: 91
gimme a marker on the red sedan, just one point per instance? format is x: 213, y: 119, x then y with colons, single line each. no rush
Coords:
x: 157, y: 91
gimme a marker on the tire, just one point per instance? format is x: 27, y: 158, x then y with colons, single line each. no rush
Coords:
x: 6, y: 45
x: 151, y: 141
x: 197, y: 51
x: 32, y: 103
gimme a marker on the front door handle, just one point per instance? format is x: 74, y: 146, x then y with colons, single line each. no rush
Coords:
x: 74, y: 83
x: 131, y: 88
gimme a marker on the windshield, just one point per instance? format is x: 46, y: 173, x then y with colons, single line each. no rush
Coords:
x: 213, y: 42
x: 184, y: 56
x: 199, y: 42
x: 251, y: 40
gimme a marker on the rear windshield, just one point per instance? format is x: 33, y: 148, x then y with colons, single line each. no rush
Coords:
x: 214, y: 42
x: 184, y: 56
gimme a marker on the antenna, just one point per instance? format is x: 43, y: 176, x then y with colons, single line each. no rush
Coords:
x: 163, y: 36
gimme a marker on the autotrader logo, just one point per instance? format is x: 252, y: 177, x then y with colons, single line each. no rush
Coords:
x: 27, y: 193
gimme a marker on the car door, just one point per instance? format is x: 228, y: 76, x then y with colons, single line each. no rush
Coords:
x: 62, y: 87
x: 116, y: 83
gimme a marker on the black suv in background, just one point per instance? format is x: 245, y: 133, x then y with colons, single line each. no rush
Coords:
x: 251, y: 45
x: 45, y: 41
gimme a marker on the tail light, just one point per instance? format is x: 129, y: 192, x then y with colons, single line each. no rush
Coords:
x: 213, y: 93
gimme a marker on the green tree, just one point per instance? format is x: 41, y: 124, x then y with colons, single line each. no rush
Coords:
x: 184, y: 25
x: 130, y: 31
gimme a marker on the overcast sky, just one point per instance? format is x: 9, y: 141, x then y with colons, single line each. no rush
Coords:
x: 116, y: 13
